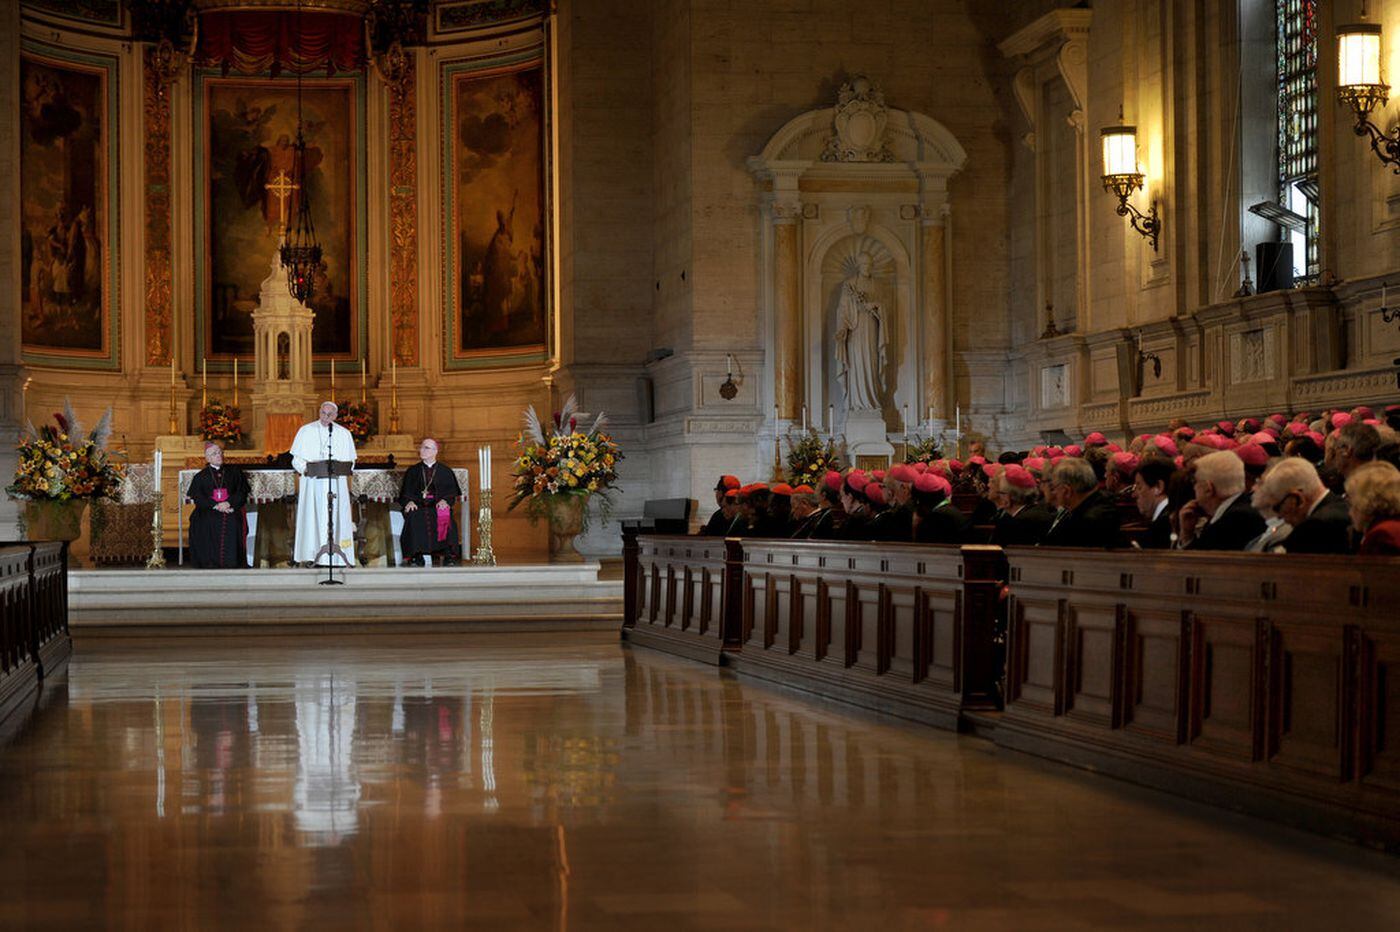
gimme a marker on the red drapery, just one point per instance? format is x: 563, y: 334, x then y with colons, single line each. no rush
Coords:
x: 254, y: 42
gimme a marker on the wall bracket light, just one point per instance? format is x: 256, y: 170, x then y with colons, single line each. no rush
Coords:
x: 1360, y: 87
x: 1122, y: 179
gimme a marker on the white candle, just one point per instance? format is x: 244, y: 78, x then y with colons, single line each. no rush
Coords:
x: 157, y: 478
x: 804, y: 419
x: 831, y: 419
x: 728, y: 365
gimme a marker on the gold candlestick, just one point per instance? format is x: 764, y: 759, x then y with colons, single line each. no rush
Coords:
x: 174, y: 428
x: 394, y: 409
x: 484, y: 556
x: 157, y: 558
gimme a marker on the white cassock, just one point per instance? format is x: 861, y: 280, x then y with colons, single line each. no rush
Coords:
x: 311, y: 445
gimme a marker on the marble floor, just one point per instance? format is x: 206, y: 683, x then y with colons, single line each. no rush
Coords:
x: 528, y: 781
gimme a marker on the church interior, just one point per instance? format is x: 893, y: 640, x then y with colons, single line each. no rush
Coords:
x: 625, y: 463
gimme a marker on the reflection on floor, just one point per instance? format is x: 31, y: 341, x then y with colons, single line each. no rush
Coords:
x: 520, y: 781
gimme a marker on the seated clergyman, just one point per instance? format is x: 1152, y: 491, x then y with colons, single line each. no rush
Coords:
x: 218, y: 527
x: 427, y: 495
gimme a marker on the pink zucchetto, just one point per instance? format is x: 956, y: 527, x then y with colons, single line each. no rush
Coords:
x: 991, y: 469
x: 876, y: 493
x: 1253, y: 455
x: 1341, y: 419
x: 1034, y: 463
x: 1074, y: 450
x: 902, y: 473
x: 832, y: 480
x: 929, y: 483
x: 1125, y: 462
x: 955, y: 466
x: 1166, y: 445
x: 1019, y: 476
x: 1113, y: 448
x: 1095, y: 439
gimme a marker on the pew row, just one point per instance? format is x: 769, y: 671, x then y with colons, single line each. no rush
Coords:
x: 1260, y: 682
x: 34, y: 641
x: 1264, y: 683
x: 896, y: 628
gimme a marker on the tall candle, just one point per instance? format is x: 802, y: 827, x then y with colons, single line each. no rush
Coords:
x: 831, y: 419
x: 332, y: 379
x: 157, y: 469
x: 394, y: 371
x: 362, y: 381
x: 172, y: 370
x: 235, y: 380
x: 729, y: 365
x: 204, y: 383
x: 804, y: 419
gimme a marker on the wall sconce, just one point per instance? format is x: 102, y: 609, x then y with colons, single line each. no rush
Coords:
x: 1360, y: 87
x: 1121, y: 178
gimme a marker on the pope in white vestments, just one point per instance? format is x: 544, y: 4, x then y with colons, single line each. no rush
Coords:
x: 320, y: 440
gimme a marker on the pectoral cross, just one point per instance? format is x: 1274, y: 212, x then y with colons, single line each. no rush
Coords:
x: 281, y: 187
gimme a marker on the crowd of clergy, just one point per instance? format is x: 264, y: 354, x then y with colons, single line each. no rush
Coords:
x: 1301, y: 483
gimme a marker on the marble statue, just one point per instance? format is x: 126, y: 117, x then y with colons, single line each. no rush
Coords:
x: 862, y: 338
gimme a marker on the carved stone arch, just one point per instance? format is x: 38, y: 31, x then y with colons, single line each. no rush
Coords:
x: 856, y: 169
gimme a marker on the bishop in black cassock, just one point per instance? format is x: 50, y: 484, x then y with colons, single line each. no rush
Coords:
x: 218, y: 525
x: 428, y: 493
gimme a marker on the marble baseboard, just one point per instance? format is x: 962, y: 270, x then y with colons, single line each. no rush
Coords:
x: 138, y: 602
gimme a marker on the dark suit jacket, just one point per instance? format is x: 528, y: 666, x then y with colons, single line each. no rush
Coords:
x: 1326, y: 530
x: 1092, y: 523
x: 1233, y: 530
x: 1159, y: 532
x: 895, y: 525
x: 855, y: 527
x: 820, y: 525
x: 945, y: 524
x: 717, y: 524
x: 1024, y: 529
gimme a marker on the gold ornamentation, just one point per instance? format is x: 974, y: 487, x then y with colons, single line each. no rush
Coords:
x: 160, y: 66
x: 399, y: 71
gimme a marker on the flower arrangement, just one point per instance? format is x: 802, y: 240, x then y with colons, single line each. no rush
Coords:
x: 357, y: 418
x: 221, y: 423
x: 810, y: 457
x: 923, y: 449
x: 566, y: 461
x: 57, y: 463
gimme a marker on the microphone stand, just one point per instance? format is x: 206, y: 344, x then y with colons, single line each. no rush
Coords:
x: 332, y: 545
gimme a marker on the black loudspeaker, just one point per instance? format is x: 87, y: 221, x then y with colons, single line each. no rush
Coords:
x: 1274, y: 265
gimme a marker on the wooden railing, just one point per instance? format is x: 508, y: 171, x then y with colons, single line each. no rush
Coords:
x: 34, y: 640
x: 1269, y: 683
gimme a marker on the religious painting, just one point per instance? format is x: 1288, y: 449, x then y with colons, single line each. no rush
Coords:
x: 249, y: 190
x: 68, y: 232
x: 498, y: 214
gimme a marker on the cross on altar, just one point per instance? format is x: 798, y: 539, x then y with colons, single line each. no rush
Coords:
x: 281, y: 187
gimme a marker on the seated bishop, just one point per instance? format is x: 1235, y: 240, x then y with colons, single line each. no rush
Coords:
x: 428, y: 493
x: 218, y: 524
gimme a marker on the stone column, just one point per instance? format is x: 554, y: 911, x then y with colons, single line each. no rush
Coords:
x: 11, y: 373
x: 787, y: 308
x: 935, y: 299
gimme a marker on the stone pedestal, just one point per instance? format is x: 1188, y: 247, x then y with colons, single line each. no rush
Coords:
x: 866, y: 437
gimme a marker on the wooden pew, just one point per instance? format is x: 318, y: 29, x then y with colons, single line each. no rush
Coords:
x: 1261, y: 682
x: 908, y: 629
x: 34, y: 641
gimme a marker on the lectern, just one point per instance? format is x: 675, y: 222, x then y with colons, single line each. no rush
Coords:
x: 330, y: 470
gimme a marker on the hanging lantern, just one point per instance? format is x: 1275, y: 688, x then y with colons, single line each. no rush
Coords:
x: 300, y: 253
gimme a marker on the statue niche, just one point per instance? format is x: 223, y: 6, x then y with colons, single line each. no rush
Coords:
x: 858, y: 275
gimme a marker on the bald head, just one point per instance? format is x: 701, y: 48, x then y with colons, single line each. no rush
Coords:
x: 428, y: 450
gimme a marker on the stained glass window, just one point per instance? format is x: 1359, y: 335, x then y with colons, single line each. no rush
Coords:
x: 1297, y: 124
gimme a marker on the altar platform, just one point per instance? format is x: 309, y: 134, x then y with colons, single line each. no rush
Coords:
x: 538, y: 597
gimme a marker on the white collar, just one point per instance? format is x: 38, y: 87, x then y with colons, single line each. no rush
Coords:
x: 1224, y: 506
x: 1161, y: 507
x: 1318, y: 501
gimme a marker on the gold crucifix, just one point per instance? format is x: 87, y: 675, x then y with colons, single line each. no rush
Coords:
x: 281, y: 187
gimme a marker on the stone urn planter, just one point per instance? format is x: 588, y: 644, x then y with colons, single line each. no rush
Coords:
x: 50, y: 519
x: 565, y: 523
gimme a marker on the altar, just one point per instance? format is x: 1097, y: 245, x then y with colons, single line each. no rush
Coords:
x: 377, y: 517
